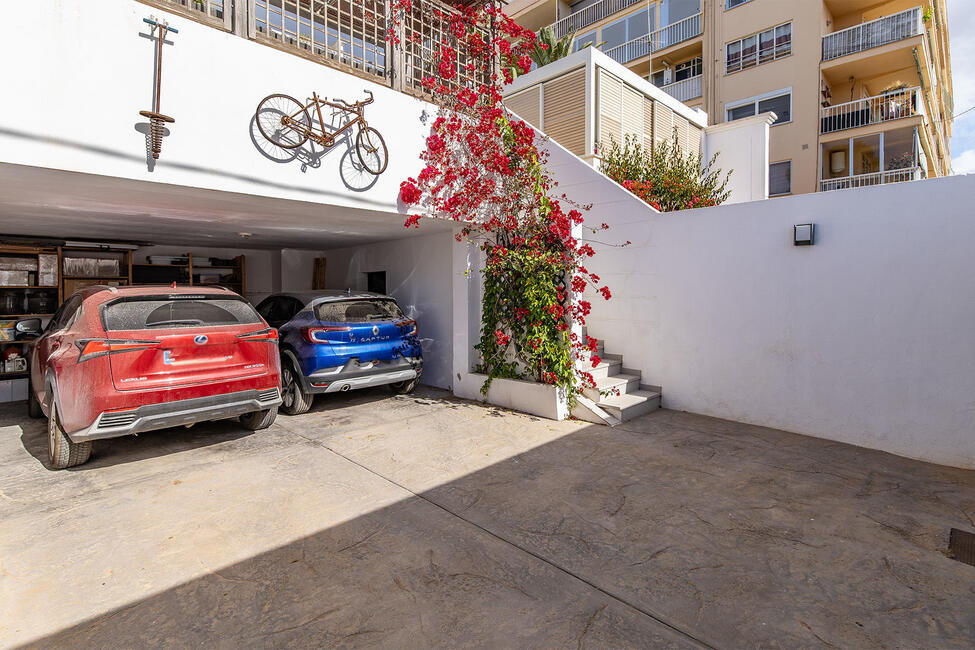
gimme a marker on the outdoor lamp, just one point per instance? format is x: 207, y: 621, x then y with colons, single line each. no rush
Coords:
x: 803, y: 234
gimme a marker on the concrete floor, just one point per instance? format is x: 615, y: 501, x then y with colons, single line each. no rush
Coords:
x: 429, y: 521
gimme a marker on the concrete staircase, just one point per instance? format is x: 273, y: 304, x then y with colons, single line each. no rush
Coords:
x: 632, y: 398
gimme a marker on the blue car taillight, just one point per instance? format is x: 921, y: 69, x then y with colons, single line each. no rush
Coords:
x: 410, y: 326
x: 319, y: 333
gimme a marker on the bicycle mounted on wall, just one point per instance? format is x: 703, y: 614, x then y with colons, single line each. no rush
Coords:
x: 287, y: 123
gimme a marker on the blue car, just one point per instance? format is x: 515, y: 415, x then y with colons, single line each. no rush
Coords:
x: 334, y: 341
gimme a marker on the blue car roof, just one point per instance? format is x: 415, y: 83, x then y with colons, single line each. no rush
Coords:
x: 330, y: 295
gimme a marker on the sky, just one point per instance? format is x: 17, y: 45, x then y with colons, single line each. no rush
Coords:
x: 961, y: 35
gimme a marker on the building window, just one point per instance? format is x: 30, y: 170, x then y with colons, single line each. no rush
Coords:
x: 780, y: 178
x: 731, y: 4
x: 584, y: 40
x: 759, y: 48
x: 624, y: 30
x: 688, y: 69
x: 658, y: 78
x: 890, y: 151
x: 779, y: 103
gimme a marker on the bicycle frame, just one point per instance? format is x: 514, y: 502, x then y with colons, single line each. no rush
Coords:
x: 325, y: 138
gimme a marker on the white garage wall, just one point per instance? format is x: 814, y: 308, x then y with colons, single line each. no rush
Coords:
x: 418, y: 275
x: 867, y: 337
x: 94, y: 68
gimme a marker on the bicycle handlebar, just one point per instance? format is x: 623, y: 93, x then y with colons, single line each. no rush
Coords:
x: 356, y: 105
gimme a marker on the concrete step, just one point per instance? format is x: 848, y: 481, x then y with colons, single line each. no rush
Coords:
x: 605, y: 368
x: 625, y: 382
x: 630, y: 405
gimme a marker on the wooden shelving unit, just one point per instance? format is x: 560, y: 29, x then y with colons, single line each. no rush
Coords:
x: 73, y: 279
x: 192, y: 273
x: 30, y: 287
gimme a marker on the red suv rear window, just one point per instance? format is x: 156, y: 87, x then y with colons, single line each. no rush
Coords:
x: 160, y: 312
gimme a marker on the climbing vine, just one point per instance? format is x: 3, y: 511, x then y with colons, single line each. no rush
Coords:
x: 483, y: 169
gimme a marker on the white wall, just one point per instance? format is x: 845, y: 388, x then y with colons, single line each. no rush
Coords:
x: 867, y: 337
x: 742, y: 149
x: 92, y: 72
x: 419, y: 276
x: 267, y: 271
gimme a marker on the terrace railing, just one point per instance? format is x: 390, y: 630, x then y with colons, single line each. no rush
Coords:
x: 630, y: 50
x: 875, y: 33
x: 349, y: 33
x: 589, y: 15
x: 212, y: 12
x: 682, y: 30
x: 685, y: 89
x: 871, y: 110
x: 875, y: 178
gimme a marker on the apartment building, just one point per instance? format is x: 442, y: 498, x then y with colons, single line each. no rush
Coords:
x: 861, y: 89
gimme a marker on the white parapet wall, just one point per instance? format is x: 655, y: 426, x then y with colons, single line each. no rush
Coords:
x: 865, y: 337
x: 740, y: 149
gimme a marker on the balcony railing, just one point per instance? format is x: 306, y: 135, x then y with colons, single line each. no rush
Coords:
x: 630, y: 50
x: 213, y: 12
x: 875, y: 178
x: 682, y: 30
x: 686, y: 89
x: 871, y: 110
x: 589, y: 15
x: 875, y: 33
x: 353, y: 35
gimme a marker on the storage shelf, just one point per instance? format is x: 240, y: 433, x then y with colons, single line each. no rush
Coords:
x: 96, y: 277
x: 12, y: 375
x: 28, y: 286
x: 6, y: 316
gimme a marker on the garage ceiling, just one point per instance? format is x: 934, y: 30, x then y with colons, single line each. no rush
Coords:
x: 41, y: 202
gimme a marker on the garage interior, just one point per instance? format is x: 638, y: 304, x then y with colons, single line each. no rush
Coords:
x: 64, y: 230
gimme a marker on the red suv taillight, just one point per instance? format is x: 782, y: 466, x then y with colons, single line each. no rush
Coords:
x: 91, y: 348
x: 411, y: 327
x: 268, y: 334
x: 319, y: 333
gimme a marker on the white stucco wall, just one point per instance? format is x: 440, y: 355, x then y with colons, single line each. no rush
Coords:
x: 86, y: 70
x: 419, y: 276
x: 267, y: 271
x: 865, y: 337
x: 742, y: 148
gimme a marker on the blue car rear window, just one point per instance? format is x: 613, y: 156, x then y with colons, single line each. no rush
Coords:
x: 357, y: 311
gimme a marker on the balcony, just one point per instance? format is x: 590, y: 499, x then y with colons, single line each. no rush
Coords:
x: 682, y: 30
x: 874, y: 178
x: 875, y: 33
x: 630, y: 50
x: 686, y: 89
x: 871, y: 110
x: 589, y: 15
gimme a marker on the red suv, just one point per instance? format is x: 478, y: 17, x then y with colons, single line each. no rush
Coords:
x: 120, y: 360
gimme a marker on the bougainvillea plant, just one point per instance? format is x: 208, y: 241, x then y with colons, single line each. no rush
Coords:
x: 484, y: 170
x: 667, y: 177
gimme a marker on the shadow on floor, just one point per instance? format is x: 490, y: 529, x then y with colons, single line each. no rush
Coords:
x: 674, y: 530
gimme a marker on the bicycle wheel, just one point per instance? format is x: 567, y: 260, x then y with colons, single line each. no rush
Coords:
x: 283, y: 121
x: 371, y: 149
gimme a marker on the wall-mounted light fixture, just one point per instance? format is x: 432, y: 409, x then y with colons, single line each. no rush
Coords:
x: 804, y: 234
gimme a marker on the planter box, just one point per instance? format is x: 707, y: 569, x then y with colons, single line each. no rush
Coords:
x: 543, y: 400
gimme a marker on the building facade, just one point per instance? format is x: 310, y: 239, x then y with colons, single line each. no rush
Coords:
x: 861, y: 90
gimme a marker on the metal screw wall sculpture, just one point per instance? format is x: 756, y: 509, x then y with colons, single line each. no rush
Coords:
x: 157, y: 119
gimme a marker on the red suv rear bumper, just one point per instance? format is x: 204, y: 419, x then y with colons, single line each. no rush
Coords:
x: 122, y: 422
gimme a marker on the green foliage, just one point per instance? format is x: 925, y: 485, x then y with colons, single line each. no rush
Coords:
x: 666, y: 177
x: 548, y: 48
x: 523, y: 331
